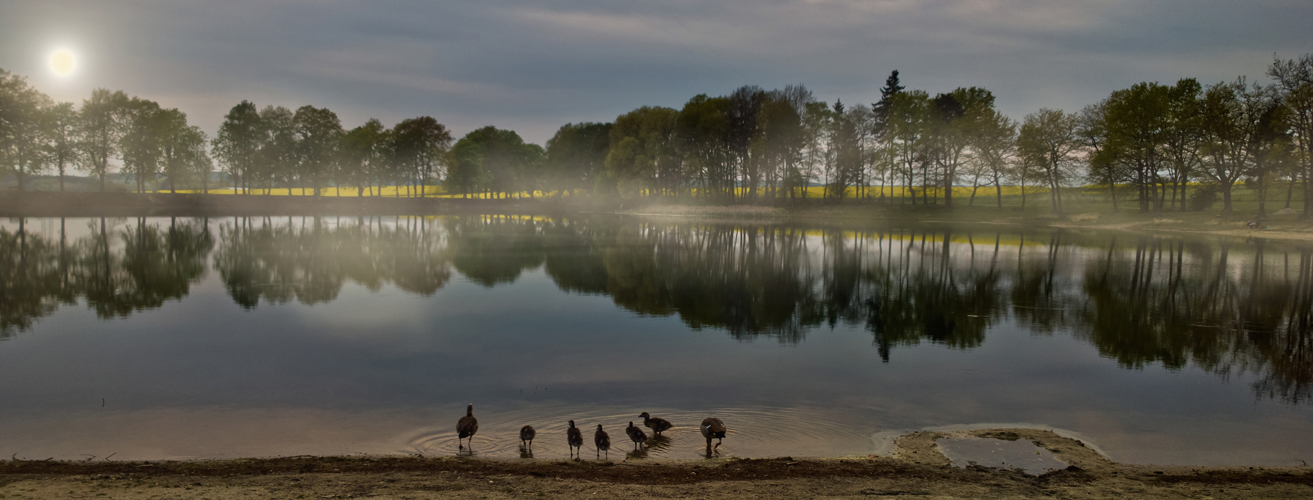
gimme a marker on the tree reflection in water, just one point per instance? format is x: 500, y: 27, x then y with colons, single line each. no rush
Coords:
x: 1223, y: 306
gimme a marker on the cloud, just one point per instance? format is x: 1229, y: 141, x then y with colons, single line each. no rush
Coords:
x: 531, y: 66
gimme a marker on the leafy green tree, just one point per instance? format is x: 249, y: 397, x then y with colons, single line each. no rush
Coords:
x: 420, y: 148
x: 363, y: 155
x: 494, y: 160
x: 995, y: 147
x: 142, y: 141
x: 908, y: 114
x: 576, y: 156
x: 1049, y: 140
x: 183, y: 151
x: 1104, y: 165
x: 780, y: 140
x: 279, y: 153
x: 1294, y: 78
x: 318, y: 134
x: 1233, y: 115
x: 21, y: 127
x: 1183, y: 136
x: 102, y: 125
x: 61, y: 138
x: 957, y: 118
x: 643, y: 153
x: 702, y: 130
x: 743, y: 111
x: 239, y: 142
x: 1137, y: 120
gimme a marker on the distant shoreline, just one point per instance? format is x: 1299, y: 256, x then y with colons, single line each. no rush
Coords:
x: 97, y: 204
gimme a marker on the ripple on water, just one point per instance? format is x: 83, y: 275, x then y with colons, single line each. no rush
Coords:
x: 751, y: 432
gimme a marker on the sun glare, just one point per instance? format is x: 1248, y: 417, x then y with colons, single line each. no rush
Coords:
x: 63, y: 63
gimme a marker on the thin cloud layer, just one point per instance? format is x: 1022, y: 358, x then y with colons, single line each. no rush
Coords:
x: 532, y: 66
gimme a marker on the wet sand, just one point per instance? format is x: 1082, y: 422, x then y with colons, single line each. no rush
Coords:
x: 915, y: 469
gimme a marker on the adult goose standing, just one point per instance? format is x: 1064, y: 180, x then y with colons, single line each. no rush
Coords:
x: 466, y: 427
x: 574, y: 437
x: 636, y: 435
x: 712, y: 427
x: 526, y: 436
x: 603, y: 442
x: 658, y: 425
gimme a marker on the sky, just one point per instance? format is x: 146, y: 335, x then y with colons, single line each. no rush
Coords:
x: 531, y: 66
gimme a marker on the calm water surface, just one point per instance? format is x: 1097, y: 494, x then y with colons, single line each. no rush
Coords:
x: 177, y: 338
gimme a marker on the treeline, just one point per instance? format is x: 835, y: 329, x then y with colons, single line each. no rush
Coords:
x: 1151, y: 141
x: 1144, y: 301
x: 1148, y: 143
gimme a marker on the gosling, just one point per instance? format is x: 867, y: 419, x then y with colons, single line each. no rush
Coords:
x: 636, y: 435
x: 658, y: 425
x: 603, y: 442
x: 574, y: 437
x: 466, y: 427
x: 526, y: 436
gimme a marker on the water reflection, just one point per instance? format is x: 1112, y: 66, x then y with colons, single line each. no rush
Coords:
x: 1224, y: 306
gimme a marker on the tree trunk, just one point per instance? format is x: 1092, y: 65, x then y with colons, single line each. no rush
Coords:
x: 1226, y: 196
x: 1112, y: 190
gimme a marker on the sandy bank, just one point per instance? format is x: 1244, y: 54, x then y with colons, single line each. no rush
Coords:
x: 916, y: 469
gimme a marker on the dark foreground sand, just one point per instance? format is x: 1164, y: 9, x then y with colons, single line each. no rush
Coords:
x: 917, y: 470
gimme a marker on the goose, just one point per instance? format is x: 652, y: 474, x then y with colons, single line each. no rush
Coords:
x: 603, y: 442
x: 466, y: 427
x: 574, y: 437
x: 526, y: 435
x: 636, y: 435
x: 712, y: 427
x: 658, y: 425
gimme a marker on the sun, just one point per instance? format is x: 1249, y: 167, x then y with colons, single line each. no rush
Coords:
x: 63, y: 63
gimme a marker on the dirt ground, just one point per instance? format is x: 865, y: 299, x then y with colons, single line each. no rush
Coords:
x: 916, y: 470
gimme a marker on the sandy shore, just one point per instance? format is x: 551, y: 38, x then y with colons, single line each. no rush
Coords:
x: 916, y: 469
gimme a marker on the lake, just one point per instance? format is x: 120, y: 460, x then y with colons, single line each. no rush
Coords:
x: 171, y: 338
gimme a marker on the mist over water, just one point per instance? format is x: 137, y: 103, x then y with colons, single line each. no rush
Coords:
x: 170, y: 338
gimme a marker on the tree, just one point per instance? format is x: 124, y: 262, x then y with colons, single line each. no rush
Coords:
x: 1048, y: 140
x: 183, y: 151
x: 363, y: 151
x: 102, y: 125
x: 238, y: 144
x: 576, y: 156
x: 780, y: 139
x: 279, y: 153
x: 957, y: 119
x: 420, y: 147
x: 905, y: 130
x: 1294, y: 77
x: 1232, y: 117
x: 21, y: 138
x: 494, y: 160
x: 702, y: 130
x: 1270, y: 150
x: 318, y: 134
x: 1136, y: 120
x: 995, y: 147
x: 141, y: 142
x: 1183, y: 135
x: 21, y: 127
x: 61, y: 137
x: 1104, y: 166
x: 744, y: 107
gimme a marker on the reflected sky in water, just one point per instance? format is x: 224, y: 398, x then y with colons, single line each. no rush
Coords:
x: 175, y: 338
